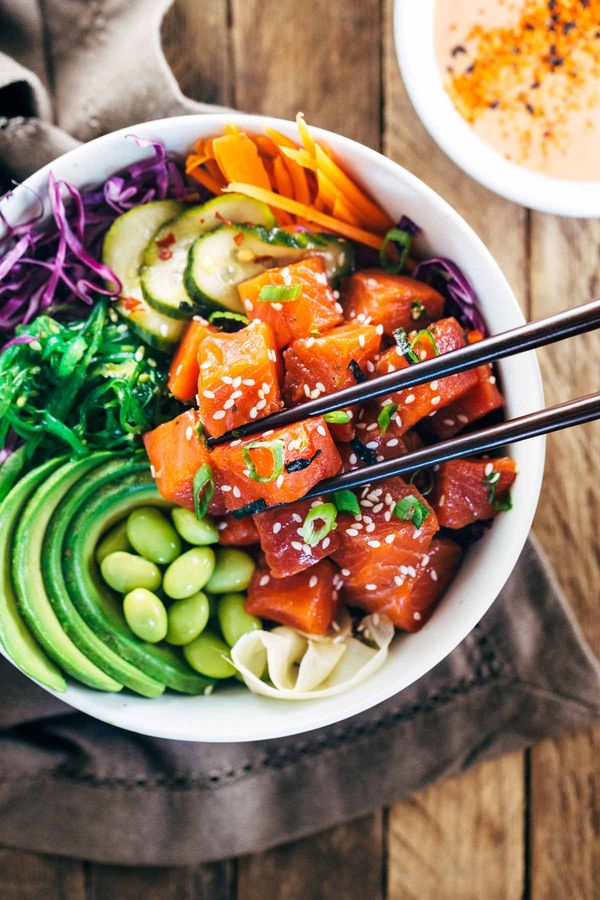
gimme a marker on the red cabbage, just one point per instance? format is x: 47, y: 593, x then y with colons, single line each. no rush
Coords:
x: 449, y: 280
x: 54, y: 266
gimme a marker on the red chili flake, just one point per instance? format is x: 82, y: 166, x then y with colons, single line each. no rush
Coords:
x: 165, y: 254
x: 222, y: 219
x: 167, y: 240
x: 238, y: 239
x: 131, y: 303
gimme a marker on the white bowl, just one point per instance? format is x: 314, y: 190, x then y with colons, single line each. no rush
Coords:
x: 414, y: 36
x: 236, y: 714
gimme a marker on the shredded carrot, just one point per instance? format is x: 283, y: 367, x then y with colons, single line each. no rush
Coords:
x: 207, y: 180
x: 193, y: 161
x: 282, y: 178
x: 302, y: 157
x: 305, y: 135
x: 280, y: 139
x: 214, y: 171
x: 342, y: 211
x: 306, y: 212
x: 238, y: 159
x: 369, y: 212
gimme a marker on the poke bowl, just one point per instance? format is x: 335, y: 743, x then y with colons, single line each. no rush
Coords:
x: 138, y: 313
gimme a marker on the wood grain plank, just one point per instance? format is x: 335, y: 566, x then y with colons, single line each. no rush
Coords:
x: 461, y: 839
x: 210, y: 882
x: 34, y: 876
x: 321, y: 58
x: 195, y: 38
x: 464, y: 838
x: 343, y: 863
x: 565, y: 777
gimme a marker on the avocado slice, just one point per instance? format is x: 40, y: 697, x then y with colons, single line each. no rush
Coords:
x: 32, y: 599
x: 90, y: 509
x: 31, y: 582
x: 16, y: 639
x: 10, y: 471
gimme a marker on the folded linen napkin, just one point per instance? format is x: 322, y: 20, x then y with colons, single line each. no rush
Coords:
x: 524, y: 673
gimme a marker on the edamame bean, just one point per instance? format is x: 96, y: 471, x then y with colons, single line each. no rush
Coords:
x: 233, y: 571
x: 189, y: 573
x: 187, y: 618
x: 152, y: 535
x: 208, y: 655
x: 146, y: 615
x: 195, y: 531
x: 125, y: 571
x: 113, y: 540
x: 233, y: 618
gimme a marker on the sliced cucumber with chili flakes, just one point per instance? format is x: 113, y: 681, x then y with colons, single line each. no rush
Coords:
x: 165, y: 257
x: 123, y: 250
x: 222, y: 259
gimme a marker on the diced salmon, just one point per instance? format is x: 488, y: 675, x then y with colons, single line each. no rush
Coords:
x: 176, y: 451
x: 482, y: 399
x: 394, y: 301
x: 184, y: 368
x: 309, y: 455
x: 308, y: 601
x: 410, y: 604
x: 238, y: 380
x: 424, y: 400
x: 321, y: 365
x: 315, y: 310
x: 286, y: 551
x: 464, y: 489
x: 237, y: 532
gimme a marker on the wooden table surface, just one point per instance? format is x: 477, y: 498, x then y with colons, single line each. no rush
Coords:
x: 528, y: 824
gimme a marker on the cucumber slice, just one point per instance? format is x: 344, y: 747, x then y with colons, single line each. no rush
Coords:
x: 222, y: 259
x: 122, y: 251
x: 165, y: 257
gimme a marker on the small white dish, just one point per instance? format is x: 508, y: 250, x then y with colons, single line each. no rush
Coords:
x: 235, y: 714
x: 414, y: 37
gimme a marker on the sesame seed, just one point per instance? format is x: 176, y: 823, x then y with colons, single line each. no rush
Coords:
x: 221, y: 526
x: 372, y: 426
x: 277, y: 306
x: 393, y: 442
x: 370, y: 527
x: 261, y: 404
x: 306, y: 390
x: 249, y: 382
x: 189, y: 433
x: 314, y: 395
x: 279, y: 481
x: 417, y: 616
x: 374, y: 544
x: 297, y: 545
x: 423, y: 354
x: 345, y: 573
x: 320, y: 386
x: 398, y: 580
x: 321, y: 430
x: 434, y: 385
x: 226, y: 379
x: 435, y: 400
x: 371, y: 587
x: 372, y: 445
x: 489, y: 468
x: 492, y: 379
x: 265, y: 579
x: 296, y: 517
x: 229, y: 403
x: 442, y: 500
x: 267, y: 433
x: 353, y: 459
x: 370, y: 366
x: 390, y: 538
x: 352, y: 532
x: 253, y: 413
x: 325, y: 543
x: 361, y: 340
x: 249, y: 305
x: 448, y: 422
x: 434, y: 575
x: 219, y: 414
x: 425, y: 560
x: 236, y: 492
x: 410, y: 398
x: 153, y: 471
x: 379, y: 330
x: 225, y: 488
x: 236, y: 443
x: 309, y: 341
x: 313, y: 581
x: 378, y: 507
x: 276, y: 527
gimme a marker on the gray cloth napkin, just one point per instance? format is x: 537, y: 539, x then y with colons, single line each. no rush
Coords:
x: 524, y: 673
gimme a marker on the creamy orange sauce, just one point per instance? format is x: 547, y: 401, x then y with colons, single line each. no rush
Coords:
x: 525, y: 74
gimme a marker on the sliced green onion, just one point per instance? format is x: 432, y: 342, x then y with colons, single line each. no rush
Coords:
x: 419, y: 473
x: 385, y: 416
x: 204, y: 489
x: 346, y: 502
x: 276, y: 449
x: 337, y: 417
x: 312, y: 534
x: 297, y: 465
x: 428, y: 335
x: 228, y: 317
x: 402, y: 241
x: 280, y: 293
x: 503, y: 504
x: 356, y: 370
x: 405, y: 346
x: 417, y: 309
x: 410, y: 509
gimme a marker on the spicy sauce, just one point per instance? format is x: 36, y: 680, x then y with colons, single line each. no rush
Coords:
x: 525, y: 74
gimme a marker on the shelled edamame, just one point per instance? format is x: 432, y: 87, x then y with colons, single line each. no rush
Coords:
x: 162, y: 566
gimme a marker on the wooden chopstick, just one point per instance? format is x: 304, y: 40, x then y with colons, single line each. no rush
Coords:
x: 508, y: 343
x: 554, y: 418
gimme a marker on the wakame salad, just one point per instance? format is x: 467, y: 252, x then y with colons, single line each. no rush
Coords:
x: 172, y: 304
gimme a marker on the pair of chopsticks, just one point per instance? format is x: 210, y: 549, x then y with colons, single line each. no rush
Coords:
x: 546, y: 331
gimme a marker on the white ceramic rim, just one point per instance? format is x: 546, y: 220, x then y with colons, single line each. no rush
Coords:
x: 413, y: 31
x: 238, y: 715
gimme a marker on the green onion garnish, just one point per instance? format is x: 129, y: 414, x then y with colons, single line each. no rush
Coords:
x: 385, y: 416
x: 337, y: 417
x: 428, y: 335
x: 276, y: 449
x: 312, y: 534
x: 280, y: 293
x: 410, y: 509
x: 346, y: 502
x: 204, y: 489
x: 422, y: 473
x: 416, y: 310
x: 228, y: 317
x: 297, y: 465
x: 356, y: 370
x: 407, y: 347
x: 502, y: 505
x: 402, y: 242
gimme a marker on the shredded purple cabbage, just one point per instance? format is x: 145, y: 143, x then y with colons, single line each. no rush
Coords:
x: 448, y: 278
x: 407, y: 224
x: 54, y: 266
